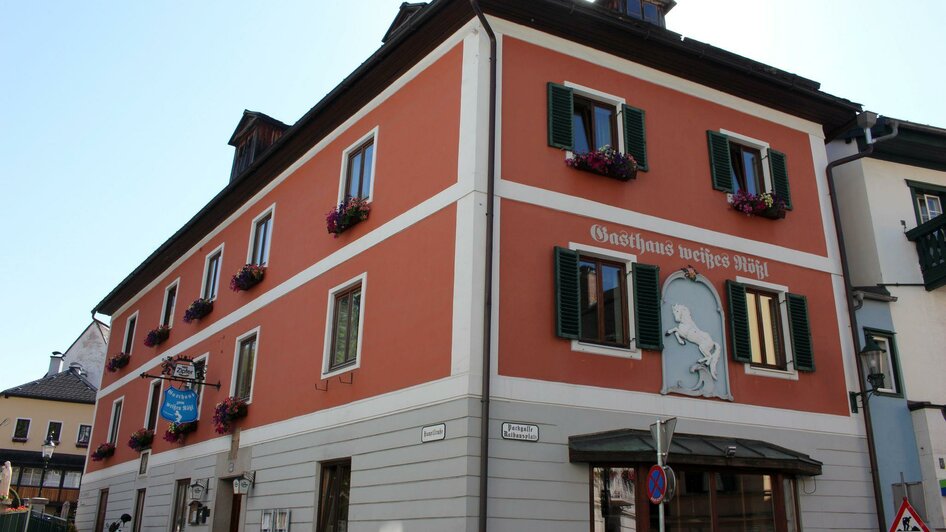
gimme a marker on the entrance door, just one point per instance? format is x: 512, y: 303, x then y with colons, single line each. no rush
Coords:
x: 235, y: 507
x: 100, y: 511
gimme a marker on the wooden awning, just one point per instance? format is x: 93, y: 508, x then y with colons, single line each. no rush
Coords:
x: 637, y: 446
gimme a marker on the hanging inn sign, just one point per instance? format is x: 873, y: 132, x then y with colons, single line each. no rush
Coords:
x: 180, y: 403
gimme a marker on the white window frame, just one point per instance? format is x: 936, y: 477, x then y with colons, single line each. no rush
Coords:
x: 790, y: 372
x: 343, y: 177
x: 29, y: 427
x: 62, y: 427
x: 79, y: 433
x: 603, y: 97
x: 271, y: 211
x: 763, y: 148
x: 330, y: 322
x: 236, y: 361
x: 148, y: 402
x: 628, y: 260
x: 130, y: 330
x: 203, y: 278
x: 176, y: 285
x: 114, y: 428
x: 926, y: 201
x: 144, y: 459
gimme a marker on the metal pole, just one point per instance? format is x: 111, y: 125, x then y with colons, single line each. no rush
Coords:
x: 42, y: 479
x: 660, y: 463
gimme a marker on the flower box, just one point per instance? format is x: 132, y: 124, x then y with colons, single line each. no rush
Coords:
x: 607, y: 162
x: 117, y: 362
x: 157, y: 336
x: 141, y: 439
x: 227, y: 412
x: 198, y: 309
x: 102, y: 452
x: 766, y: 205
x: 348, y: 213
x: 177, y: 432
x: 248, y: 277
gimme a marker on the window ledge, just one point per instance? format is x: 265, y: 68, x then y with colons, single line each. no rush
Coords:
x: 20, y: 440
x: 773, y: 373
x: 341, y: 370
x: 596, y: 349
x: 82, y: 444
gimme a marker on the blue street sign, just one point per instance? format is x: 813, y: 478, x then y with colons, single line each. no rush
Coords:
x: 179, y: 406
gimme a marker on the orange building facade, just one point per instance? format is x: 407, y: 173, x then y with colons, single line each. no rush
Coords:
x: 611, y: 302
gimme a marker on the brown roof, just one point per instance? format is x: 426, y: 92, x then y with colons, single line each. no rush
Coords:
x: 67, y: 386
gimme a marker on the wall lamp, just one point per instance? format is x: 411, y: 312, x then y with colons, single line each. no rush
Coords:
x: 871, y: 355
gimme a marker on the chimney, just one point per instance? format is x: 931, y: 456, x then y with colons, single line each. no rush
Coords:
x: 77, y: 368
x: 55, y: 363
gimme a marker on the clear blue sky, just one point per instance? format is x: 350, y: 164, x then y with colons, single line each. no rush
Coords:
x: 115, y: 115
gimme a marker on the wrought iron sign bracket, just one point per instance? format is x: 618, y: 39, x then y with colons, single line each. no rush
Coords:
x: 178, y: 379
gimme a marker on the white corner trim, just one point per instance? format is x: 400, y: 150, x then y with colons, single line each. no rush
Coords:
x: 362, y: 280
x: 271, y: 211
x: 343, y: 174
x: 255, y: 332
x: 628, y: 260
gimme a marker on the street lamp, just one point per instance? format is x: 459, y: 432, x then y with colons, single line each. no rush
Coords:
x: 872, y: 355
x: 48, y: 448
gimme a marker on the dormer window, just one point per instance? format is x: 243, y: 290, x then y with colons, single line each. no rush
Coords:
x: 652, y: 11
x: 254, y: 135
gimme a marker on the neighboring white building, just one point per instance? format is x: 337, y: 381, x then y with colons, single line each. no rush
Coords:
x: 891, y: 204
x: 88, y: 352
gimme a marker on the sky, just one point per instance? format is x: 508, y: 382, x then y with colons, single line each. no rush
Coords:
x: 115, y: 115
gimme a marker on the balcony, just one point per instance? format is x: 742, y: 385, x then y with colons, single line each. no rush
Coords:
x: 930, y: 240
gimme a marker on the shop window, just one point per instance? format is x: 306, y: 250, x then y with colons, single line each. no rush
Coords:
x: 72, y: 479
x: 928, y: 200
x: 170, y: 299
x: 333, y: 496
x: 739, y: 163
x: 21, y: 431
x: 593, y: 299
x: 889, y: 361
x: 581, y: 120
x: 212, y: 275
x: 758, y: 316
x: 31, y: 476
x: 115, y: 421
x: 52, y: 479
x: 54, y: 431
x: 359, y: 169
x: 130, y: 324
x: 344, y: 329
x: 245, y: 366
x: 260, y: 238
x: 614, y: 498
x: 84, y: 436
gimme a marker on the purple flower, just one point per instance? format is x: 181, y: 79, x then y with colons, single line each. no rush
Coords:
x: 346, y: 214
x: 606, y: 161
x: 248, y: 277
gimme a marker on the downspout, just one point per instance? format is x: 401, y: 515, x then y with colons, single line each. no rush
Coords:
x: 488, y: 276
x: 851, y: 306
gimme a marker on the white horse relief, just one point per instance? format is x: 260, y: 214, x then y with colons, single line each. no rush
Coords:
x: 687, y: 331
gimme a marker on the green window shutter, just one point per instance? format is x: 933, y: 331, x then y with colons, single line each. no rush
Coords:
x: 720, y: 165
x: 561, y: 108
x: 635, y: 137
x: 779, y: 172
x: 567, y: 294
x: 801, y: 332
x: 647, y: 306
x: 739, y: 322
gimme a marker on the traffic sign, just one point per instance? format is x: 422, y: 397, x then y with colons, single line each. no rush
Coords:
x: 656, y: 484
x: 666, y: 429
x: 907, y: 519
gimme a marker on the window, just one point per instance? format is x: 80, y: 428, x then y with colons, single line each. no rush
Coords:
x: 583, y: 119
x: 100, y: 510
x: 262, y: 233
x: 343, y: 327
x: 212, y: 275
x: 84, y: 436
x: 52, y: 479
x: 130, y: 333
x: 741, y: 163
x: 333, y: 496
x: 170, y: 298
x: 759, y: 315
x: 139, y: 510
x: 639, y: 9
x: 115, y: 421
x: 179, y: 512
x: 143, y: 462
x: 245, y: 364
x: 72, y: 479
x: 594, y: 300
x: 889, y: 361
x: 928, y: 200
x: 54, y: 431
x: 22, y: 429
x: 154, y: 404
x: 359, y: 170
x: 603, y: 301
x: 31, y: 476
